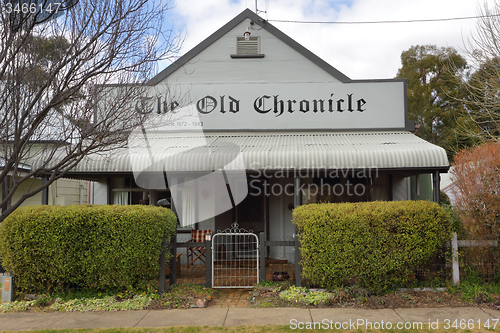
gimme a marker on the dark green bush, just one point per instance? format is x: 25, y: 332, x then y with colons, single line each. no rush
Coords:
x: 444, y: 199
x: 455, y: 222
x: 373, y: 244
x: 96, y: 247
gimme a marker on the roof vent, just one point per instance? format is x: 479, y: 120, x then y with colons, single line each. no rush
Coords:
x: 247, y: 48
x: 250, y: 46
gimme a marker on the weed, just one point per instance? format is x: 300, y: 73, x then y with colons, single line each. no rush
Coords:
x: 42, y: 301
x: 182, y: 295
x: 272, y: 286
x: 267, y: 284
x: 405, y: 296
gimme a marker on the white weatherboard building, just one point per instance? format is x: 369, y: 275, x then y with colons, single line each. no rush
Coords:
x: 304, y: 131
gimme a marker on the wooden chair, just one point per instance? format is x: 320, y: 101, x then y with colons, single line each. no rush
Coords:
x: 195, y: 253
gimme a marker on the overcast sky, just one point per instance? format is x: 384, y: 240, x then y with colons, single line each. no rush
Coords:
x: 360, y: 51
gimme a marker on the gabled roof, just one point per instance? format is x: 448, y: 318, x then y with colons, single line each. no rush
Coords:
x: 247, y: 13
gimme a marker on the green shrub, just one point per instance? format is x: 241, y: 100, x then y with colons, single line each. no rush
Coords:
x: 373, y: 244
x: 97, y: 247
x: 444, y: 199
x: 455, y: 222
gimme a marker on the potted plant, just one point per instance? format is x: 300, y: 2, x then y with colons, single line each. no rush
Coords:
x: 280, y: 276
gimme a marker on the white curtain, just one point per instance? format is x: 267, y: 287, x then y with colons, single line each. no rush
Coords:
x: 188, y: 209
x: 120, y: 198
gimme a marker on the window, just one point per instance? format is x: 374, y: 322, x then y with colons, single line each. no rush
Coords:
x: 353, y: 188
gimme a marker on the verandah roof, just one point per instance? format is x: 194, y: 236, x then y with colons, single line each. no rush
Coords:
x: 276, y: 151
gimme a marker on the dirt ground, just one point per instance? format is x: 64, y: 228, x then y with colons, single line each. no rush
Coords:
x: 405, y: 299
x: 186, y: 296
x: 412, y: 299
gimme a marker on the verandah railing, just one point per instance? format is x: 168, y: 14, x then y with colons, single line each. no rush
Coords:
x: 173, y: 247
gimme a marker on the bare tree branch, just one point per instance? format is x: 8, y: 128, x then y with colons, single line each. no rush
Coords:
x: 51, y: 73
x: 481, y: 119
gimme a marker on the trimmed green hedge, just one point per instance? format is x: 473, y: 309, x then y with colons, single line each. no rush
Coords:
x: 97, y: 247
x: 373, y: 244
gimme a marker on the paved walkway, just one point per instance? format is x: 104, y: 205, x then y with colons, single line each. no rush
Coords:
x: 423, y: 318
x: 231, y: 298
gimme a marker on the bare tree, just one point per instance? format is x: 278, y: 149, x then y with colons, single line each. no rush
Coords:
x: 482, y: 85
x: 56, y: 75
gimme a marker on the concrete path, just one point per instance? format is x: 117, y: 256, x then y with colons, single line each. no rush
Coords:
x: 342, y: 318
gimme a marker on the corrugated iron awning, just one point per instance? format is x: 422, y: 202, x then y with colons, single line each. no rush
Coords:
x: 274, y: 151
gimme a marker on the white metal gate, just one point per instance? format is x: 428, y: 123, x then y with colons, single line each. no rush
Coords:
x: 235, y: 258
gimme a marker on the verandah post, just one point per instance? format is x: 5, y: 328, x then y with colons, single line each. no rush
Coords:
x: 298, y: 267
x: 173, y: 261
x: 162, y: 282
x: 45, y: 191
x: 435, y: 186
x: 208, y: 264
x: 262, y: 255
x: 296, y: 203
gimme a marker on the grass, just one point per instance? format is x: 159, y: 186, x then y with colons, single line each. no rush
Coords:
x: 474, y: 290
x: 476, y: 293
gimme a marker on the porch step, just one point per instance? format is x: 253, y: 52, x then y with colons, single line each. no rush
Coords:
x: 275, y: 261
